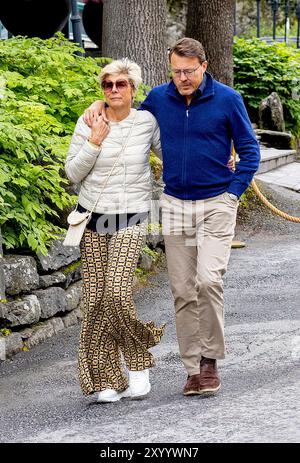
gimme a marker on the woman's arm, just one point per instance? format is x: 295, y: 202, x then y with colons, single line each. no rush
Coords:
x: 82, y: 153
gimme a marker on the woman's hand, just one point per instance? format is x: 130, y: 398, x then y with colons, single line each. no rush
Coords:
x: 231, y: 164
x: 100, y: 130
x: 93, y: 111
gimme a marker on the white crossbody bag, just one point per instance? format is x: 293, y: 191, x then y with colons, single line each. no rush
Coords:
x: 78, y: 220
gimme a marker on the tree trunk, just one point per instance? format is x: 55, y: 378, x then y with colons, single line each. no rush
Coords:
x: 211, y: 22
x: 136, y: 29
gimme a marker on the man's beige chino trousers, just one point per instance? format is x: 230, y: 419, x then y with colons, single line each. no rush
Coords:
x: 198, y: 236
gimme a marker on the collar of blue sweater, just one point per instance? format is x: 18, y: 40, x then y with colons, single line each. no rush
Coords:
x: 205, y: 90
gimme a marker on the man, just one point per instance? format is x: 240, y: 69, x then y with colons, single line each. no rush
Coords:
x: 199, y: 118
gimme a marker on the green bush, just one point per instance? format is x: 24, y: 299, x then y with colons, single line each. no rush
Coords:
x: 44, y: 88
x: 260, y: 69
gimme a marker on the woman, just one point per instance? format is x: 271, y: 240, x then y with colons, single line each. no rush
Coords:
x: 113, y: 156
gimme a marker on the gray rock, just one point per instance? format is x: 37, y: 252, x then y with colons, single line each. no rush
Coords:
x: 2, y: 278
x: 135, y: 281
x: 2, y: 281
x: 154, y: 238
x: 145, y: 261
x: 1, y: 249
x: 70, y: 319
x: 21, y: 312
x: 57, y: 324
x: 52, y: 301
x: 26, y: 333
x: 20, y: 274
x: 40, y: 334
x: 79, y: 313
x: 73, y: 295
x: 58, y: 256
x: 2, y: 348
x: 72, y: 276
x: 13, y: 344
x: 279, y: 140
x: 271, y: 113
x: 52, y: 279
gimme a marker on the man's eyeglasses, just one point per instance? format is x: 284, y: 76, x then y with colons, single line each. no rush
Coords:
x: 120, y: 85
x: 186, y: 72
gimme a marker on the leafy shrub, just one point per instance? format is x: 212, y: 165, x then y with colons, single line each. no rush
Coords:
x: 260, y: 69
x: 44, y: 88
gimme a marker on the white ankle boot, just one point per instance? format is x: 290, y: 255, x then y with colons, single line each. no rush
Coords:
x: 139, y: 383
x: 111, y: 395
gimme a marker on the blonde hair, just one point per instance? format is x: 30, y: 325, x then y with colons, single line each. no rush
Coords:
x: 123, y: 66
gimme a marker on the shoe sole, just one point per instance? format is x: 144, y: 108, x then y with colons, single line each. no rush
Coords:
x: 123, y: 395
x: 192, y: 393
x: 109, y: 400
x: 141, y: 396
x: 208, y: 392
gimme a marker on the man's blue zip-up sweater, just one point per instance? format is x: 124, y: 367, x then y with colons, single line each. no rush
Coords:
x: 196, y: 140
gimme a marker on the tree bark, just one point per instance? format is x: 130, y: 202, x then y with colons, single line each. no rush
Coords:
x: 211, y: 22
x: 136, y: 29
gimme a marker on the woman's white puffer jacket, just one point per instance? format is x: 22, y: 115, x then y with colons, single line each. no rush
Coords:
x: 129, y: 189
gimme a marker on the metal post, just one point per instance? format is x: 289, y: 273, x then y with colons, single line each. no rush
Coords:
x: 258, y: 17
x: 275, y: 5
x: 286, y: 23
x: 76, y: 24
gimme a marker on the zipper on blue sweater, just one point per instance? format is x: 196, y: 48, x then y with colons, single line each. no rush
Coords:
x: 185, y: 148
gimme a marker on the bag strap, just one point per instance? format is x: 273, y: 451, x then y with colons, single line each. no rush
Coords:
x: 112, y: 169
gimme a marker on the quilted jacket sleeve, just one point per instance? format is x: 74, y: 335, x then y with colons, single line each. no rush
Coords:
x: 82, y: 155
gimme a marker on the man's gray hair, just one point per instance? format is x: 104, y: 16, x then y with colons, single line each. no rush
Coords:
x: 123, y: 66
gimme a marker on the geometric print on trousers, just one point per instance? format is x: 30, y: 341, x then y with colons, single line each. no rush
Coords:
x: 110, y: 326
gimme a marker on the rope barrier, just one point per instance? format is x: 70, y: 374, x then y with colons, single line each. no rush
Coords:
x: 267, y: 203
x: 274, y: 209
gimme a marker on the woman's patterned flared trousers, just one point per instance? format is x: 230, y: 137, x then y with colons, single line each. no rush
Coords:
x: 110, y: 325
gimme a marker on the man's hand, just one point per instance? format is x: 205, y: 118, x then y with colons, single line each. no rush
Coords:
x: 93, y: 111
x: 100, y: 129
x: 231, y: 164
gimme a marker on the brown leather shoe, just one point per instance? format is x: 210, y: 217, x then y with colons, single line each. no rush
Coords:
x: 209, y: 378
x: 192, y: 386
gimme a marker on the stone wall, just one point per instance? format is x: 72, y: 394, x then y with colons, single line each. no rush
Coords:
x: 41, y: 295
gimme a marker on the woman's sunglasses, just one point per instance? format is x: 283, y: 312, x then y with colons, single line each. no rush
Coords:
x: 108, y: 86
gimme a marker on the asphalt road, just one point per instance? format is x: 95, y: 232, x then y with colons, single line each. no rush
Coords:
x: 40, y: 399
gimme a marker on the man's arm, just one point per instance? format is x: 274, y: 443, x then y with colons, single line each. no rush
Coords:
x: 245, y: 144
x: 82, y: 153
x: 148, y: 103
x: 96, y: 109
x: 156, y: 145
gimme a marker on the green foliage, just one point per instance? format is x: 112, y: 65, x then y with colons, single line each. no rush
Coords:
x: 156, y: 165
x: 71, y: 267
x: 175, y: 5
x: 44, y: 88
x: 5, y: 332
x: 150, y: 253
x: 260, y: 69
x: 154, y: 227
